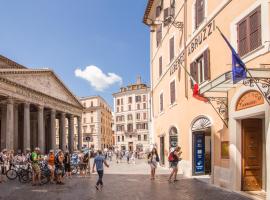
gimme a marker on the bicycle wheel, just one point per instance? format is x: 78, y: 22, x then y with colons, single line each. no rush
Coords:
x: 74, y: 169
x: 25, y: 176
x: 45, y: 177
x: 11, y: 174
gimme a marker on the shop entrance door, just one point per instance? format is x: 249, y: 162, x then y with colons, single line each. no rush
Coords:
x: 252, y: 154
x: 130, y: 146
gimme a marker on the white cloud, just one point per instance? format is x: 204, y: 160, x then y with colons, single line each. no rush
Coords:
x: 97, y: 78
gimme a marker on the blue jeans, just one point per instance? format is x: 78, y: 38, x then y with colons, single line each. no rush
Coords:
x: 100, y: 176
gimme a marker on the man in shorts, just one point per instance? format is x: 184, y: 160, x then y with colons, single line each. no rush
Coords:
x: 35, y: 158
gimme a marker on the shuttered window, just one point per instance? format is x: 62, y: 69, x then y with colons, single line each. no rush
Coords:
x: 161, y: 102
x: 166, y: 18
x: 249, y: 32
x: 160, y: 66
x: 199, y: 12
x: 200, y: 68
x: 171, y: 49
x: 172, y: 91
x: 159, y: 34
x: 172, y: 9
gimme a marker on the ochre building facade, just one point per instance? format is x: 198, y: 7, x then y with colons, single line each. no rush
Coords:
x: 228, y: 136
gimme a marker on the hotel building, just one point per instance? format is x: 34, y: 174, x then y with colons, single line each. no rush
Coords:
x: 226, y: 137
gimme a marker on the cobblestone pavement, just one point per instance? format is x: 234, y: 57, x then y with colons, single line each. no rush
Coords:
x: 125, y: 185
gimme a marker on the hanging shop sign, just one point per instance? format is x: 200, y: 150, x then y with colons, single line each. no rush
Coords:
x: 199, y: 153
x: 249, y: 99
x: 201, y: 36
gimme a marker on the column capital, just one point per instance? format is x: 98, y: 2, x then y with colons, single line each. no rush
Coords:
x: 10, y: 100
x: 53, y: 110
x: 40, y: 107
x: 63, y: 114
x: 26, y: 104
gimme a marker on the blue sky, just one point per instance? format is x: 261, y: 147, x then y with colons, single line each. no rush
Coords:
x: 107, y: 36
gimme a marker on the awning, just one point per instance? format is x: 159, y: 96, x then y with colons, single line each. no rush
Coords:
x: 224, y: 82
x: 217, y: 90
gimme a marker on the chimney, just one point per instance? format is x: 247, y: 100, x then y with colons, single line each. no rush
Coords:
x: 139, y: 80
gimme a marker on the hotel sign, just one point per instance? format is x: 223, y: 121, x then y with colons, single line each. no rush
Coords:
x: 249, y: 99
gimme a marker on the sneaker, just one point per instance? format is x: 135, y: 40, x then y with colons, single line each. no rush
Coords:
x: 97, y: 187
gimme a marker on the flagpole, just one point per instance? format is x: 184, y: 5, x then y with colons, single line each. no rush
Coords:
x: 247, y: 70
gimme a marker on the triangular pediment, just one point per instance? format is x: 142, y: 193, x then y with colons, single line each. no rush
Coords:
x: 44, y: 81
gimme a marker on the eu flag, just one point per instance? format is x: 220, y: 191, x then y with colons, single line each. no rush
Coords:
x: 239, y: 71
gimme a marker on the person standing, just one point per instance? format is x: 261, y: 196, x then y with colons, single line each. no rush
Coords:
x: 98, y: 162
x: 59, y: 167
x: 67, y: 161
x: 35, y: 158
x: 127, y: 156
x: 3, y: 164
x: 174, y: 159
x: 153, y: 160
x: 133, y: 158
x: 117, y: 155
x: 51, y: 164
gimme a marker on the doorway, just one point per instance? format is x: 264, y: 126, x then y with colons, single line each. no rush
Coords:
x: 252, y: 154
x: 130, y: 146
x: 162, y: 151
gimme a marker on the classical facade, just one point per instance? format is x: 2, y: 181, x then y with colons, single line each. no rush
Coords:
x: 32, y: 102
x: 227, y: 137
x: 132, y: 117
x: 97, y: 123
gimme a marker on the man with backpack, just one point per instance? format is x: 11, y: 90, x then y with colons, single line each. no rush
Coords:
x: 174, y: 158
x: 35, y: 158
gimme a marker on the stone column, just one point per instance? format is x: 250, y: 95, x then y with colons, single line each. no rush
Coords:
x: 16, y: 127
x: 41, y: 131
x: 62, y: 131
x: 10, y: 125
x: 53, y: 130
x: 79, y: 133
x: 26, y: 126
x: 71, y: 133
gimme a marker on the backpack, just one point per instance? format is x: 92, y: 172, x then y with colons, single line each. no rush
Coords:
x: 171, y: 157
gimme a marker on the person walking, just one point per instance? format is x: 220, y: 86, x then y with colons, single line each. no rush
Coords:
x: 35, y: 158
x: 127, y: 156
x: 153, y: 160
x: 3, y: 164
x: 51, y: 164
x: 67, y: 161
x: 174, y: 158
x: 98, y: 162
x: 133, y: 158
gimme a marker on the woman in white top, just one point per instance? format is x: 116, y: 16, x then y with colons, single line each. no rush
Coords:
x: 153, y: 160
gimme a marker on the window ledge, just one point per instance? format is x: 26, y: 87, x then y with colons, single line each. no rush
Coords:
x: 247, y: 56
x: 172, y: 105
x: 161, y: 113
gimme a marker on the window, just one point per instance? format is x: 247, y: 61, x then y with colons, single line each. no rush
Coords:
x: 122, y: 101
x: 139, y: 138
x: 130, y: 117
x: 129, y: 107
x: 161, y: 102
x: 138, y: 126
x: 144, y: 106
x: 92, y: 104
x: 138, y: 116
x: 92, y: 128
x: 200, y: 68
x: 84, y: 129
x: 249, y: 32
x: 138, y: 98
x: 118, y: 102
x: 160, y: 66
x: 145, y: 137
x: 166, y: 17
x: 171, y: 49
x: 117, y: 109
x: 92, y: 119
x: 144, y: 115
x: 129, y: 99
x: 172, y: 9
x: 138, y: 106
x: 159, y: 34
x: 144, y: 98
x: 123, y: 138
x: 130, y: 127
x: 199, y: 12
x: 122, y: 108
x: 118, y: 138
x: 84, y: 104
x: 159, y: 8
x: 84, y: 120
x: 172, y: 91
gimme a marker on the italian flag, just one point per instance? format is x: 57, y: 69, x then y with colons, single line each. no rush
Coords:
x: 196, y: 92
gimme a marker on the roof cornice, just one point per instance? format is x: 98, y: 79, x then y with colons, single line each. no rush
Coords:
x: 147, y: 11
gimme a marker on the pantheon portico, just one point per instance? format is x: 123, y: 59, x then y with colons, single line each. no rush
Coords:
x: 31, y: 101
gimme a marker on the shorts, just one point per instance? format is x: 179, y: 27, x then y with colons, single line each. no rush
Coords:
x: 173, y: 165
x: 51, y: 167
x: 83, y: 166
x: 36, y: 169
